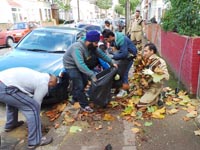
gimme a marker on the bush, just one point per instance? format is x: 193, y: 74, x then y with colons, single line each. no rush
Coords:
x: 183, y: 17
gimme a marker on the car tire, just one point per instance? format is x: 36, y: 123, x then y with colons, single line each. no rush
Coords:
x: 9, y: 42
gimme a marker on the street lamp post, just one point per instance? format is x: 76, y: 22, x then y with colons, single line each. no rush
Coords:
x: 78, y: 10
x: 127, y: 11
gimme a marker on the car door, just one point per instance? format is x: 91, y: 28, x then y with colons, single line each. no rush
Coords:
x: 2, y: 37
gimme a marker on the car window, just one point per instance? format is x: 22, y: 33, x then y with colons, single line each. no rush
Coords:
x: 81, y: 25
x: 97, y: 28
x: 47, y: 41
x: 80, y: 36
x: 18, y: 26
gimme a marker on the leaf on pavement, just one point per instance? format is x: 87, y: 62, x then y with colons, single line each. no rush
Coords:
x: 148, y: 123
x: 185, y: 98
x: 61, y: 107
x: 114, y: 104
x: 135, y: 123
x: 172, y: 111
x: 76, y: 105
x: 127, y: 111
x: 139, y: 115
x: 74, y: 129
x: 56, y: 125
x: 176, y: 99
x: 191, y: 108
x: 186, y: 118
x: 169, y: 103
x: 151, y: 109
x: 135, y: 130
x: 108, y: 117
x: 109, y: 128
x: 192, y: 114
x: 197, y: 132
x: 159, y: 114
x: 99, y: 127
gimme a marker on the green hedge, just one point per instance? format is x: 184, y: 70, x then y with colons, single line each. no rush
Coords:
x: 183, y: 17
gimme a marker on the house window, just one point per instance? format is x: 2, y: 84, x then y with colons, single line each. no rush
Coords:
x: 14, y: 9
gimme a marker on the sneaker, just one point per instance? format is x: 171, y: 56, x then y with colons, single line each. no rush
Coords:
x: 44, y: 141
x: 121, y: 94
x: 19, y: 123
x: 87, y: 109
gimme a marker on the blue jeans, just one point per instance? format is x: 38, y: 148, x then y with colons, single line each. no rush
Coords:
x: 125, y: 77
x: 79, y: 82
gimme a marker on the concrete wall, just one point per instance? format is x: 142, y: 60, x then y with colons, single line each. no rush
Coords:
x: 180, y: 52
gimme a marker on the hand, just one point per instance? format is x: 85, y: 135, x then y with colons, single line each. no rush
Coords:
x: 94, y: 78
x: 115, y: 65
x: 147, y: 72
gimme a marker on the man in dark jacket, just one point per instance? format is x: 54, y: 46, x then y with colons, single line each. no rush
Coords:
x: 123, y: 49
x: 79, y: 60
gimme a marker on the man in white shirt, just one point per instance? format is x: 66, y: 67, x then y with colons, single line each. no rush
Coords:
x: 23, y: 89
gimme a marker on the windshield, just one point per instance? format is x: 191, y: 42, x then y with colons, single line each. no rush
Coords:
x: 46, y: 41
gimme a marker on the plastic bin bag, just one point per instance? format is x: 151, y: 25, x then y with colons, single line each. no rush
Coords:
x: 100, y: 90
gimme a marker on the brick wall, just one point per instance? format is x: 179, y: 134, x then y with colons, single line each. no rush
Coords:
x: 180, y: 52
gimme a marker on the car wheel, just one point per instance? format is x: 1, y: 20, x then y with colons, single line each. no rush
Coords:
x: 9, y: 42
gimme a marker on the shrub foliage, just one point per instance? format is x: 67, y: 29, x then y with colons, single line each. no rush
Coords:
x: 183, y: 17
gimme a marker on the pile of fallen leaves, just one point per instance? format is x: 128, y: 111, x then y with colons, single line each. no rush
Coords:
x: 126, y: 107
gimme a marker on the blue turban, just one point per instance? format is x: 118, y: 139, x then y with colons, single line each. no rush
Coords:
x: 92, y: 36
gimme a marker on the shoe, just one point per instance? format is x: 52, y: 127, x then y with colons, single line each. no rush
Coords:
x: 44, y: 141
x: 87, y: 109
x: 19, y: 123
x: 121, y: 94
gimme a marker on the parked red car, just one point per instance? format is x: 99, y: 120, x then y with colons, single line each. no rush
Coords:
x: 20, y: 29
x: 6, y: 40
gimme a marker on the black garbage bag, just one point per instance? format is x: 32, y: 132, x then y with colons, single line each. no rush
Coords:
x: 58, y: 93
x: 100, y: 90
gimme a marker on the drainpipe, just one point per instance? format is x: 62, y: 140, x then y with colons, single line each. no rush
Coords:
x: 181, y: 62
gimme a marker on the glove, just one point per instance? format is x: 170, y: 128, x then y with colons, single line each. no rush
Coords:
x: 147, y: 72
x: 131, y: 57
x: 94, y: 78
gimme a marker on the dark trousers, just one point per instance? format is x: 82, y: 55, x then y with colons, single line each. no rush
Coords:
x: 79, y: 82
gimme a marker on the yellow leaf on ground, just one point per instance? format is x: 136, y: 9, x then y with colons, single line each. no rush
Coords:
x: 177, y: 99
x: 172, y: 111
x: 162, y: 110
x: 76, y: 105
x: 114, y: 104
x: 159, y: 114
x: 191, y: 108
x: 136, y: 124
x: 169, y: 103
x: 108, y: 117
x: 135, y: 130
